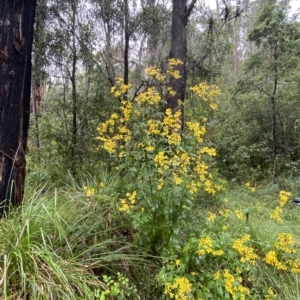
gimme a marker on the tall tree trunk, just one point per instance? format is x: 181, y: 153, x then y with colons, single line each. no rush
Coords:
x: 38, y: 76
x: 180, y: 15
x: 153, y: 40
x: 217, y: 7
x: 274, y: 118
x: 127, y: 37
x: 16, y: 38
x: 36, y: 100
x: 73, y: 80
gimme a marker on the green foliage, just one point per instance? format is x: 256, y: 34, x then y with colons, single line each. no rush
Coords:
x: 118, y: 289
x: 255, y: 132
x: 53, y: 159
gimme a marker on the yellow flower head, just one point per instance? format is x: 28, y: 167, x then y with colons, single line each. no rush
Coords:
x: 286, y: 243
x: 179, y: 289
x: 211, y: 216
x: 247, y: 253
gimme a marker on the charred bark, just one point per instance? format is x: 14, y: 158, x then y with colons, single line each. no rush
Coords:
x: 16, y: 38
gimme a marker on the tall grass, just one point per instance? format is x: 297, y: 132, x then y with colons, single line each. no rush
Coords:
x: 58, y: 245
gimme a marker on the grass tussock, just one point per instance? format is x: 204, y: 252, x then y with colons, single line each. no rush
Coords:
x: 59, y: 245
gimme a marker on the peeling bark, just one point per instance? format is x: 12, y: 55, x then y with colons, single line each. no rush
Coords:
x: 16, y: 38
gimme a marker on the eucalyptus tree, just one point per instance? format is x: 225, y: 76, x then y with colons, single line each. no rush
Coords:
x: 16, y: 38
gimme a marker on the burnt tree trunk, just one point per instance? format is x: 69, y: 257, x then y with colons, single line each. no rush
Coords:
x: 180, y: 15
x: 16, y: 38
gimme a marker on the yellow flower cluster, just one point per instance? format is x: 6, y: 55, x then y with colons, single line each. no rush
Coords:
x: 175, y: 62
x: 169, y: 127
x: 181, y: 163
x: 153, y: 127
x: 276, y: 215
x: 294, y: 265
x: 224, y: 227
x: 161, y: 184
x: 171, y: 91
x: 149, y: 97
x: 210, y: 187
x: 207, y: 92
x: 170, y: 121
x: 154, y: 73
x: 129, y: 202
x: 271, y: 259
x: 126, y: 110
x: 149, y: 147
x: 161, y: 160
x: 114, y: 131
x: 234, y: 286
x: 201, y: 169
x: 248, y: 185
x: 239, y: 214
x: 271, y: 295
x: 283, y: 199
x: 177, y: 179
x: 174, y: 138
x: 213, y: 106
x: 197, y: 130
x: 217, y: 275
x: 211, y: 217
x: 89, y: 191
x: 175, y: 74
x: 285, y: 243
x: 206, y: 247
x: 209, y: 151
x: 179, y: 289
x: 225, y: 212
x: 247, y: 253
x: 119, y: 88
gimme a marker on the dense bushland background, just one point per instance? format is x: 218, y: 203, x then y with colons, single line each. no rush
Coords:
x: 120, y: 202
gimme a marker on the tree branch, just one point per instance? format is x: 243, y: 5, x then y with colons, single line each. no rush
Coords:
x: 261, y: 90
x: 190, y: 8
x: 200, y: 61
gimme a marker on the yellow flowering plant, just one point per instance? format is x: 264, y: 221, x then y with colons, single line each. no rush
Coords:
x: 222, y: 262
x: 164, y: 168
